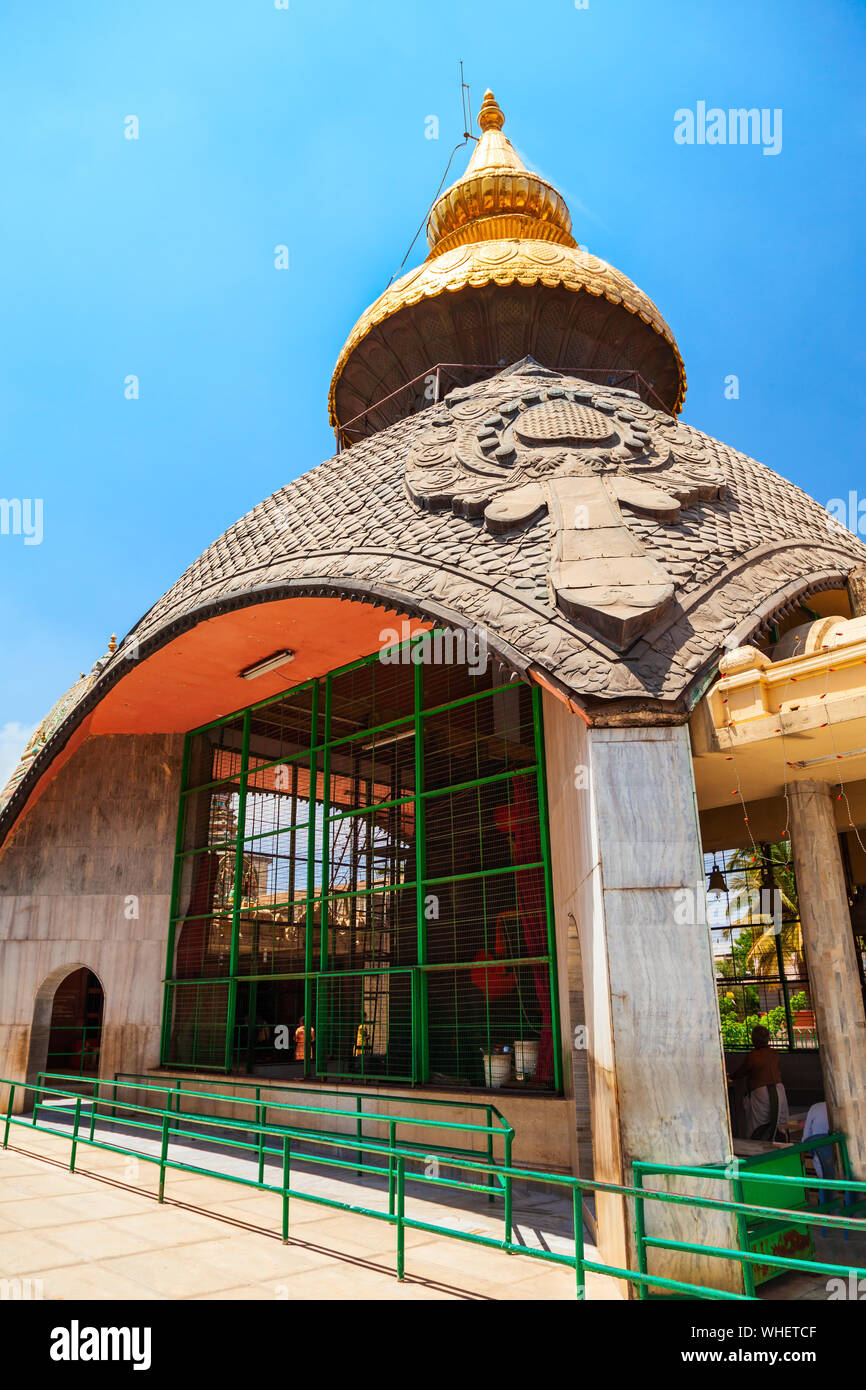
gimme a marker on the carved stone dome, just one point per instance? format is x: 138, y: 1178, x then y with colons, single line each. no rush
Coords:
x: 603, y: 548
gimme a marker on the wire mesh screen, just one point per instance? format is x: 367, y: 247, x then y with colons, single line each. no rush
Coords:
x: 361, y: 883
x: 758, y: 950
x: 364, y: 1025
x: 502, y: 1006
x: 199, y: 1019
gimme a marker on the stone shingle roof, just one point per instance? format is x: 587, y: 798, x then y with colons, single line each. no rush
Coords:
x: 54, y: 719
x: 371, y: 523
x: 350, y: 526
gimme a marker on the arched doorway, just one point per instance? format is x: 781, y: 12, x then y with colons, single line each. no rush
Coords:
x: 75, y: 1027
x: 66, y: 1033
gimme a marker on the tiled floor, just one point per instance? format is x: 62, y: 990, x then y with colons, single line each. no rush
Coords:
x: 99, y: 1233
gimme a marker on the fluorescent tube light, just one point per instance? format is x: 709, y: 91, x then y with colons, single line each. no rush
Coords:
x: 270, y: 663
x: 386, y: 742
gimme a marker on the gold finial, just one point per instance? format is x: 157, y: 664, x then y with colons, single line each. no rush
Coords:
x: 498, y: 226
x: 490, y: 116
x: 497, y: 198
x: 112, y: 643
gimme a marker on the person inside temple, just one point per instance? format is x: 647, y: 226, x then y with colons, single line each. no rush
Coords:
x: 766, y: 1101
x: 300, y: 1040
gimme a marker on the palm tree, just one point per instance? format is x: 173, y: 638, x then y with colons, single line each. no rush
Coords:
x: 762, y: 954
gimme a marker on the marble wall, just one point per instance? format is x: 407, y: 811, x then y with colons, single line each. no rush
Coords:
x: 85, y: 880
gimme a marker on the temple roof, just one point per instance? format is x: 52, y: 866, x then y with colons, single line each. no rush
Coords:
x: 599, y: 546
x: 54, y: 720
x: 352, y: 525
x: 604, y: 548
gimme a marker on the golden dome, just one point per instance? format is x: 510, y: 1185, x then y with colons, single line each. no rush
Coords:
x: 497, y: 233
x: 497, y: 196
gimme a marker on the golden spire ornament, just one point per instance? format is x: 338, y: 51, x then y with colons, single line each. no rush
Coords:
x: 497, y: 196
x: 504, y: 279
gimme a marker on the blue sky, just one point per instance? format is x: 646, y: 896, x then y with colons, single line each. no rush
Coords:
x: 305, y: 126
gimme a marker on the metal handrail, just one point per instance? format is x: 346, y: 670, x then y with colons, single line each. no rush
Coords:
x: 436, y: 368
x: 491, y: 1112
x: 793, y: 1216
x: 397, y: 1156
x: 504, y: 1129
x: 312, y: 1087
x: 496, y: 1127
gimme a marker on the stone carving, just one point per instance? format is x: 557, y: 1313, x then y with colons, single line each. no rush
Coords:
x: 349, y: 527
x: 581, y: 452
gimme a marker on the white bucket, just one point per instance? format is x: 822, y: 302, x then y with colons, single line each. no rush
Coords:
x: 497, y: 1069
x: 525, y: 1059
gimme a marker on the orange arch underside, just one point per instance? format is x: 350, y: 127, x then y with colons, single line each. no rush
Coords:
x: 195, y: 678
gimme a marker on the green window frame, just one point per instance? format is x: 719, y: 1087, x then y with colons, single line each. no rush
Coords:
x: 760, y: 965
x: 214, y: 994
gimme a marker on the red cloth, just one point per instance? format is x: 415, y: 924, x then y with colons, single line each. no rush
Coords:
x: 493, y: 980
x: 523, y: 825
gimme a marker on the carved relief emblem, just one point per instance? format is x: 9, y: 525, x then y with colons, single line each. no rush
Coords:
x: 581, y: 452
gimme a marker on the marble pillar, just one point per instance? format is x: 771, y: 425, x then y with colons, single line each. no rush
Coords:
x: 628, y: 872
x: 831, y: 962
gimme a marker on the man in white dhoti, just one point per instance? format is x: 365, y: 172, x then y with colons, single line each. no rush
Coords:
x: 763, y: 1076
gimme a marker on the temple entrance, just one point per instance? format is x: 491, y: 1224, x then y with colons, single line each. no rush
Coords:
x: 75, y: 1028
x: 66, y: 1033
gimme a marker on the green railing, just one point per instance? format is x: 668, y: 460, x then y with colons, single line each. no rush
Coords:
x: 281, y: 1141
x: 495, y: 1127
x: 851, y: 1193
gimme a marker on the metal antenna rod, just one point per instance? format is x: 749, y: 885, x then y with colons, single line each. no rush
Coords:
x: 466, y: 98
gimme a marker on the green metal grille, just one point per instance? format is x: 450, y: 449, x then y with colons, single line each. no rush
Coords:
x: 368, y: 854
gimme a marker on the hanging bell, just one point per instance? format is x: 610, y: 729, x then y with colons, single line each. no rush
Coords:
x: 716, y: 880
